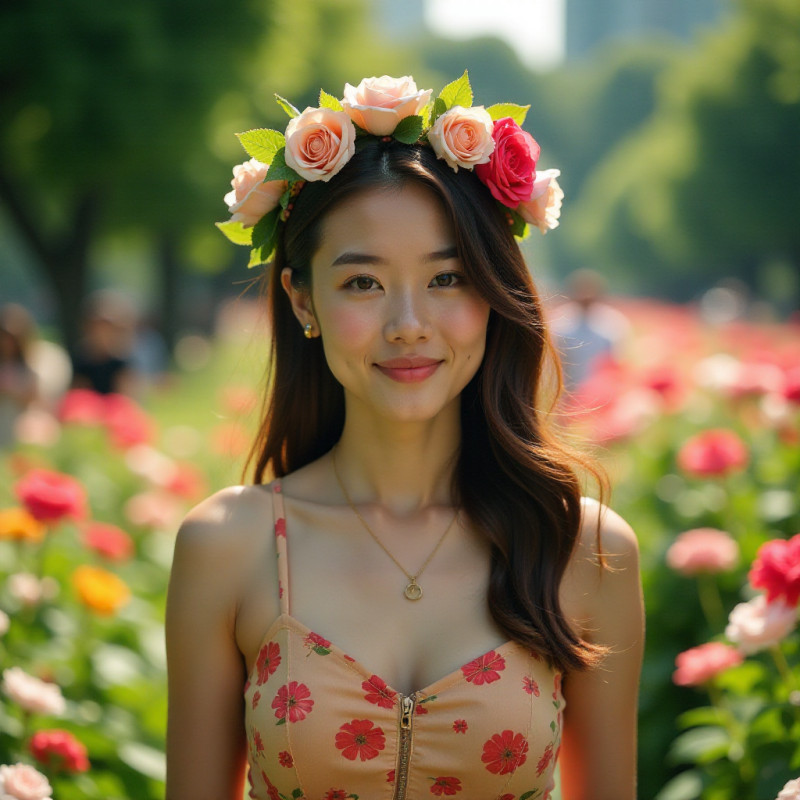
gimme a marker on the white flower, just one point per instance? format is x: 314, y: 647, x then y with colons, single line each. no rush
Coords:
x: 791, y: 791
x: 31, y: 694
x: 23, y: 782
x: 758, y: 625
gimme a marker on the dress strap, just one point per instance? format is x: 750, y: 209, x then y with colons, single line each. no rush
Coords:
x: 279, y: 516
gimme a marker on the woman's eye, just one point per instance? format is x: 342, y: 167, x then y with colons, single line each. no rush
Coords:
x: 446, y: 279
x: 363, y: 283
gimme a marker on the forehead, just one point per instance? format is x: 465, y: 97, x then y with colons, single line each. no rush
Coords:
x: 411, y: 217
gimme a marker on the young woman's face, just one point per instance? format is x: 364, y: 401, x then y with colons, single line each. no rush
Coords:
x: 402, y: 329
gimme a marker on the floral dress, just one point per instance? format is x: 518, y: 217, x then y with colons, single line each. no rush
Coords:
x: 322, y: 726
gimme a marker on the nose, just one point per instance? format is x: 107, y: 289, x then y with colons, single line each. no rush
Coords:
x: 408, y: 319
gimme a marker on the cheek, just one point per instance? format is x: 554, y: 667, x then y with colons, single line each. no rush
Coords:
x: 466, y: 324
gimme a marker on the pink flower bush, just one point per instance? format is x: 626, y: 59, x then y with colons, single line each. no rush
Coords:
x: 51, y: 496
x: 31, y: 694
x: 700, y: 664
x: 713, y: 453
x: 251, y: 197
x: 511, y: 171
x: 703, y: 550
x: 59, y: 750
x: 463, y: 137
x: 776, y: 569
x: 23, y: 782
x: 319, y: 143
x: 543, y: 209
x: 378, y: 104
x: 757, y: 624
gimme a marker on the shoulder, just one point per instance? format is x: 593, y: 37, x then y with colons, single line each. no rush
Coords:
x: 605, y: 537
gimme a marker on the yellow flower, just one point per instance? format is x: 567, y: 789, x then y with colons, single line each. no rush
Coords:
x: 100, y: 590
x: 19, y: 524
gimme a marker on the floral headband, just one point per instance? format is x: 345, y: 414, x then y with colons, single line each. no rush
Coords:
x: 320, y: 141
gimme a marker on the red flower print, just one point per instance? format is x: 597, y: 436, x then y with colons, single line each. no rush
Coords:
x: 256, y: 698
x: 272, y: 792
x: 258, y: 743
x: 504, y: 752
x: 506, y: 797
x: 485, y: 669
x: 390, y: 776
x: 335, y: 794
x: 285, y: 759
x: 292, y: 703
x: 360, y: 739
x: 460, y: 726
x: 530, y: 686
x: 246, y: 686
x: 280, y: 527
x: 314, y: 642
x: 378, y: 692
x: 348, y: 658
x: 267, y: 662
x: 546, y: 758
x: 556, y: 688
x: 445, y: 786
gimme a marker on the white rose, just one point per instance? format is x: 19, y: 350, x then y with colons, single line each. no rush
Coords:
x: 31, y: 694
x: 758, y: 625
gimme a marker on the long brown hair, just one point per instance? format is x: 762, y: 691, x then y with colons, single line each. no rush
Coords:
x: 515, y: 481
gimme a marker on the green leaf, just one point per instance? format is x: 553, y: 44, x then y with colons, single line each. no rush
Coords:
x: 686, y: 786
x: 257, y: 259
x: 297, y: 793
x: 520, y: 229
x: 262, y: 143
x: 408, y: 130
x: 281, y: 721
x: 704, y: 715
x: 287, y: 106
x: 439, y: 107
x: 529, y: 795
x: 500, y: 110
x: 236, y: 232
x: 329, y: 101
x: 265, y: 228
x: 457, y: 93
x: 700, y: 745
x: 320, y: 650
x: 278, y: 171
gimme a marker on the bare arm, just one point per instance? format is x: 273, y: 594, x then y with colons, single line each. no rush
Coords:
x: 598, y: 755
x: 206, y: 743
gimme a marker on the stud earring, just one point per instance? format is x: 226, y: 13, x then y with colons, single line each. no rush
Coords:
x: 308, y: 330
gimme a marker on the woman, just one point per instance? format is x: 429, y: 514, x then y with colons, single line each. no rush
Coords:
x: 433, y: 571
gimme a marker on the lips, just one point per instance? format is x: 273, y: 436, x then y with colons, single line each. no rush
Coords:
x: 409, y: 369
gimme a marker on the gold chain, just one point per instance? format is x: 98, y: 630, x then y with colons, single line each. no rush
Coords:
x: 413, y: 590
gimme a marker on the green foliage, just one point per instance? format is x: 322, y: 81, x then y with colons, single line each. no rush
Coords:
x: 408, y: 130
x: 516, y: 112
x: 329, y: 101
x: 262, y: 144
x: 279, y: 170
x: 288, y: 107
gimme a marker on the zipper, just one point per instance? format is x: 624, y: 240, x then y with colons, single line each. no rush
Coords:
x: 407, y: 704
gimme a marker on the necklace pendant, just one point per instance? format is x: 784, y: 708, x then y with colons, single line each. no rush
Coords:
x: 413, y: 591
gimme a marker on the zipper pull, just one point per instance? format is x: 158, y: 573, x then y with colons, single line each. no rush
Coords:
x: 408, y: 712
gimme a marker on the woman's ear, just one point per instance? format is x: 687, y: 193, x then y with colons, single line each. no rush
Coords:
x: 301, y: 304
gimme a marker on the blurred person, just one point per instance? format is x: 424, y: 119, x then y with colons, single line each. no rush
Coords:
x: 102, y: 357
x: 18, y: 381
x: 587, y: 330
x: 428, y: 614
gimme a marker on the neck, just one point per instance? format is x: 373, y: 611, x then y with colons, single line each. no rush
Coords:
x: 404, y: 467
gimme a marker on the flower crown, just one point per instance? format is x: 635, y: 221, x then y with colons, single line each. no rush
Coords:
x: 320, y: 141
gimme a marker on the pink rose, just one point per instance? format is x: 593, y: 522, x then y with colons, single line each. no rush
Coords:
x: 511, y: 171
x: 250, y: 197
x: 463, y: 137
x: 544, y: 207
x: 378, y: 104
x: 319, y: 143
x: 59, y: 750
x: 777, y: 570
x: 703, y: 550
x: 791, y: 791
x: 700, y: 664
x: 31, y: 694
x: 714, y: 452
x: 756, y: 625
x: 23, y: 782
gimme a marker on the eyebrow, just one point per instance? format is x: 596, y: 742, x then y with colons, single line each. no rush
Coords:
x: 352, y: 257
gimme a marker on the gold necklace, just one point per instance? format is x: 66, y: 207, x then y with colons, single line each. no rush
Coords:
x: 413, y: 590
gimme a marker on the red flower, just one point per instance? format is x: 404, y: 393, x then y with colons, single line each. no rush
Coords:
x: 390, y: 776
x: 82, y: 407
x: 267, y: 662
x: 335, y: 794
x: 504, y: 752
x: 378, y: 692
x: 108, y: 541
x: 51, y: 496
x: 316, y: 643
x: 509, y: 797
x: 360, y: 739
x: 258, y: 741
x: 777, y: 570
x: 280, y: 527
x: 511, y: 170
x: 445, y: 786
x: 485, y: 669
x: 530, y: 686
x: 546, y: 758
x: 700, y: 664
x: 126, y: 422
x: 59, y: 750
x: 460, y: 726
x: 285, y: 759
x: 187, y: 481
x: 293, y: 702
x: 256, y: 698
x: 714, y: 452
x: 272, y: 792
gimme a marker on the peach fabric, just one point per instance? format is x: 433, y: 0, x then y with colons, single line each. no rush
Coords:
x: 322, y: 726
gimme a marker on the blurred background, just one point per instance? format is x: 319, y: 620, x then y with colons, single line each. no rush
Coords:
x: 132, y: 344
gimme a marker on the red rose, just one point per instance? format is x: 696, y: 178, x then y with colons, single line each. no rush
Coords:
x: 59, y: 750
x: 108, y: 541
x: 126, y: 422
x: 713, y: 453
x: 51, y: 496
x: 777, y: 570
x: 511, y: 170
